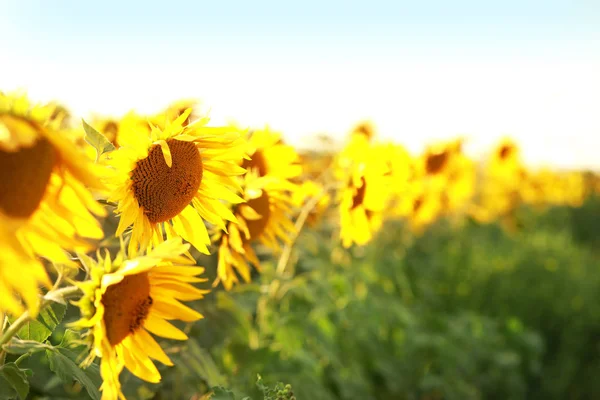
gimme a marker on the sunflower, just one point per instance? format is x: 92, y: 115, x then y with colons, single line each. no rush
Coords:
x: 364, y: 197
x: 504, y: 177
x: 45, y: 203
x: 426, y: 206
x: 113, y: 129
x: 172, y: 179
x: 270, y: 156
x: 174, y: 110
x: 264, y: 217
x: 128, y: 298
x: 505, y: 164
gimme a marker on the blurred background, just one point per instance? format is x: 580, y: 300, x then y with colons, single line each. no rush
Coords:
x: 421, y: 71
x: 500, y: 304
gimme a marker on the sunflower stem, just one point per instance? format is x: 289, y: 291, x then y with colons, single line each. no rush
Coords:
x: 12, y: 330
x: 300, y: 221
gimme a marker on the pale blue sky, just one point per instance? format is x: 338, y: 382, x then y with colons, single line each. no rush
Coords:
x: 421, y: 70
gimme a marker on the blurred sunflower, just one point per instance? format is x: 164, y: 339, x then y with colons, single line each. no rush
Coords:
x: 24, y: 285
x: 426, y: 207
x: 505, y: 164
x: 438, y: 161
x: 270, y: 156
x: 128, y: 298
x: 114, y: 129
x: 174, y: 110
x: 45, y: 202
x: 172, y: 179
x: 364, y: 197
x: 264, y: 217
x: 365, y: 129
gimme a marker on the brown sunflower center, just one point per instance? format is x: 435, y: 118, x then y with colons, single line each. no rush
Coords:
x: 505, y: 152
x: 258, y: 162
x: 164, y: 192
x: 24, y: 177
x: 435, y: 163
x: 365, y: 129
x: 417, y: 204
x: 261, y: 206
x: 359, y: 197
x: 126, y: 306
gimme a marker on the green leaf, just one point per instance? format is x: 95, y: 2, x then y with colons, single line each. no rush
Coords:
x: 70, y: 339
x: 220, y: 393
x: 13, y: 382
x: 18, y: 346
x: 62, y: 364
x: 97, y: 140
x: 42, y: 327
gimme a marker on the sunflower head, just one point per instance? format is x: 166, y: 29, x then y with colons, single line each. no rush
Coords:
x: 263, y: 218
x: 364, y: 197
x: 365, y: 129
x: 126, y: 299
x: 173, y: 179
x: 45, y: 182
x: 268, y: 155
x: 505, y: 162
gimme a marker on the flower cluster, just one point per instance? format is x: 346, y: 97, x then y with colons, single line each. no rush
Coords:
x: 177, y: 186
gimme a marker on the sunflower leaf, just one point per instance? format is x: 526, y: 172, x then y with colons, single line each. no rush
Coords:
x: 63, y: 365
x: 13, y: 382
x: 42, y: 327
x: 97, y: 140
x: 45, y: 323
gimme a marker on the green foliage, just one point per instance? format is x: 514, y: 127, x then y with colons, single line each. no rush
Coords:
x: 465, y: 311
x: 62, y: 364
x: 13, y: 382
x: 42, y: 327
x: 97, y: 140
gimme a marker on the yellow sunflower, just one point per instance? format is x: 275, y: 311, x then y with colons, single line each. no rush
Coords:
x: 23, y: 285
x: 426, y: 207
x: 364, y: 197
x: 505, y: 164
x: 264, y: 217
x: 269, y: 155
x: 174, y: 110
x: 128, y: 298
x: 45, y: 201
x: 113, y: 129
x: 169, y: 181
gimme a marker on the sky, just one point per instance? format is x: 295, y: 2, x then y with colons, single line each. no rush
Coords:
x: 420, y: 71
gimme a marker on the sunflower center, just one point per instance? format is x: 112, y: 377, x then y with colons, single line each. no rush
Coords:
x: 24, y: 176
x: 366, y: 130
x: 258, y: 162
x: 164, y: 192
x: 261, y: 206
x: 359, y: 197
x: 505, y: 152
x: 126, y: 306
x: 435, y: 163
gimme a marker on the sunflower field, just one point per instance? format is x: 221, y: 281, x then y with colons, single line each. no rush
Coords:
x: 163, y: 257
